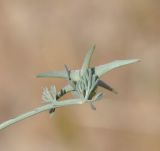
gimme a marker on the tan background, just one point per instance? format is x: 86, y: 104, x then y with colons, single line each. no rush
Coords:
x: 38, y: 36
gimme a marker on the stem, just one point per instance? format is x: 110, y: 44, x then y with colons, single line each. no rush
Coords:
x: 39, y: 110
x: 25, y: 115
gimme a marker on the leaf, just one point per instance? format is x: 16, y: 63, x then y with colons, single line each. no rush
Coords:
x: 74, y: 75
x: 102, y: 69
x: 106, y: 86
x: 98, y: 97
x: 87, y: 59
x: 49, y: 95
x: 92, y: 106
x: 53, y: 74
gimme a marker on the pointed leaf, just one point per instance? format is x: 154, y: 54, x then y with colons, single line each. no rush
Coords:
x: 102, y: 69
x: 92, y: 106
x: 98, y: 97
x: 53, y: 74
x: 87, y: 59
x: 67, y: 72
x: 106, y: 86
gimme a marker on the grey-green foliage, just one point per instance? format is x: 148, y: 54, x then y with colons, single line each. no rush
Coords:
x: 83, y: 84
x: 77, y: 79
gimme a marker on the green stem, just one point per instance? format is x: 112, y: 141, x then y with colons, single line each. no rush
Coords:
x: 39, y: 110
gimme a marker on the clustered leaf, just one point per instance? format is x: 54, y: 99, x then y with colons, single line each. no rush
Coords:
x: 82, y: 83
x: 49, y: 96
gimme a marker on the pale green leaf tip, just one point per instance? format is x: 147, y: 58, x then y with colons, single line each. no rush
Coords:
x: 41, y: 75
x: 134, y: 60
x: 93, y: 46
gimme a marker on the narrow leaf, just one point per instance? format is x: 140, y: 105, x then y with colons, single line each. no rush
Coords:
x: 53, y: 74
x: 106, y: 86
x: 87, y: 60
x: 102, y: 69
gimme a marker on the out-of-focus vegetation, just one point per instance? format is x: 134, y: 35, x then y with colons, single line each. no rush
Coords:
x: 38, y: 36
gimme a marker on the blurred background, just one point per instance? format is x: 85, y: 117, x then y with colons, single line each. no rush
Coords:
x: 38, y: 36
